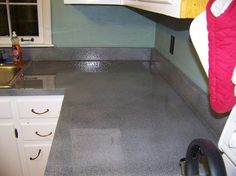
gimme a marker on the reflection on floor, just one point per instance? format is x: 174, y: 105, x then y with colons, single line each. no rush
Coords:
x: 123, y: 122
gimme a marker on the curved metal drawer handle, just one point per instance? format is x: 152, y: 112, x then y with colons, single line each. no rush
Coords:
x: 43, y: 135
x: 36, y: 156
x: 39, y: 113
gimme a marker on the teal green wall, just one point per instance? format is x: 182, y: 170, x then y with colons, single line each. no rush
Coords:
x: 185, y: 57
x: 100, y: 26
x: 117, y: 26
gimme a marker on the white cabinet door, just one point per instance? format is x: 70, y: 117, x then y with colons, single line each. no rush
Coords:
x: 5, y: 109
x: 9, y: 156
x: 37, y: 157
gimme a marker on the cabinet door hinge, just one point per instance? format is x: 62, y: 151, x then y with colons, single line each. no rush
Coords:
x: 16, y: 133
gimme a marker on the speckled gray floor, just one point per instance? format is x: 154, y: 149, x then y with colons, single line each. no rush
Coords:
x: 124, y: 122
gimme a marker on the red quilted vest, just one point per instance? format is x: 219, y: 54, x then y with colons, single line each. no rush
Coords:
x: 222, y: 57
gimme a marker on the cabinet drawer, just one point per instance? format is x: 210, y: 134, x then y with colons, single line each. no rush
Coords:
x: 37, y: 107
x: 36, y: 158
x: 5, y: 106
x: 38, y: 131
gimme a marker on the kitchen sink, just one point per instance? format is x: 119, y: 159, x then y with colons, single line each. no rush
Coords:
x: 9, y: 74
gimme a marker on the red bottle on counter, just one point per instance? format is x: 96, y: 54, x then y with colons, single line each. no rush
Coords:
x: 16, y: 51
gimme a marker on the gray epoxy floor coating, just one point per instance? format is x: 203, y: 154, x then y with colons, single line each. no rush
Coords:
x: 124, y: 122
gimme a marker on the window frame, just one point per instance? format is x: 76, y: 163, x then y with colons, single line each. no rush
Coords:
x: 44, y: 23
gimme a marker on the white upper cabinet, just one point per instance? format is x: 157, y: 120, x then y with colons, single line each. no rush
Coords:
x: 173, y: 8
x: 166, y: 7
x: 111, y: 2
x: 160, y: 1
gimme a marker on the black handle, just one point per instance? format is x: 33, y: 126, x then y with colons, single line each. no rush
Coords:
x: 43, y: 135
x: 27, y: 40
x: 204, y: 147
x: 39, y: 113
x: 16, y: 133
x: 36, y: 156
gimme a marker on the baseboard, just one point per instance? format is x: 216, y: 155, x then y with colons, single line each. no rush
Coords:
x: 196, y: 98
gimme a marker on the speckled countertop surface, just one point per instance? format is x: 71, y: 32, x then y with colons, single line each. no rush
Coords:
x: 121, y: 120
x: 31, y: 92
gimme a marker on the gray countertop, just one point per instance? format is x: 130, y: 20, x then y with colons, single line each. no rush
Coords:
x: 30, y: 92
x: 119, y: 121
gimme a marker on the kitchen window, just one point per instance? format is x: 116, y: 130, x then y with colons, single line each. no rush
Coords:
x: 31, y: 19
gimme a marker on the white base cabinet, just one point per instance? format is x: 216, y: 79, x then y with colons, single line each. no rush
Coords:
x: 27, y: 127
x: 9, y: 155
